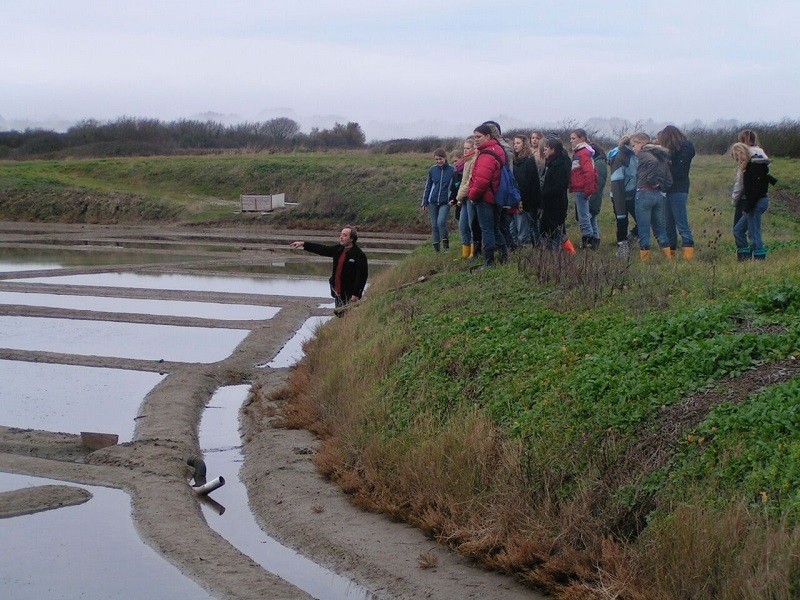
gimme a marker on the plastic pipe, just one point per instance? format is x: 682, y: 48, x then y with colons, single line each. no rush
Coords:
x: 202, y: 490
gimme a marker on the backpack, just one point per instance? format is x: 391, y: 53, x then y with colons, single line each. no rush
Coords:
x: 507, y: 194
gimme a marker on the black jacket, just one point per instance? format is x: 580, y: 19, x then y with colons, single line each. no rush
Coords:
x: 354, y: 272
x: 527, y: 175
x: 680, y: 161
x: 554, y: 198
x: 756, y: 184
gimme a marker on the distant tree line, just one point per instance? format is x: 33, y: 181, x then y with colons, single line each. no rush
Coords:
x: 778, y: 139
x: 130, y: 136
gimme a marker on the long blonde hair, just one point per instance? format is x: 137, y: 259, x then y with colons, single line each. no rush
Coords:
x: 740, y: 153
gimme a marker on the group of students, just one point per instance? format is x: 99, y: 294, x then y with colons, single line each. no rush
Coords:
x: 649, y: 181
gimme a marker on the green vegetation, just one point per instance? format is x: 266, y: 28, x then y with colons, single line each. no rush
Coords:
x: 594, y: 428
x: 378, y: 192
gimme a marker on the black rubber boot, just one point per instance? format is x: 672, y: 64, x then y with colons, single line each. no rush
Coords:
x: 488, y: 258
x: 446, y: 244
x: 436, y: 247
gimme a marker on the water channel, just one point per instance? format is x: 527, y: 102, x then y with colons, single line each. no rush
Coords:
x: 220, y: 442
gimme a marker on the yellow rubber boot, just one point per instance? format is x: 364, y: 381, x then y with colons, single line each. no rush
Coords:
x: 644, y: 255
x: 471, y: 251
x: 688, y: 253
x: 669, y: 253
x: 465, y: 250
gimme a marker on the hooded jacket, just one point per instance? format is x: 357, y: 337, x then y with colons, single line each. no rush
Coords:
x: 623, y: 171
x: 757, y: 153
x: 486, y: 172
x: 583, y: 178
x: 653, y: 172
x: 752, y: 184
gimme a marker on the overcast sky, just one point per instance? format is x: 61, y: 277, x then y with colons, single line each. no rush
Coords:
x: 405, y: 67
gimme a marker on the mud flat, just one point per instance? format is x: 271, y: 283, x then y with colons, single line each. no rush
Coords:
x: 289, y: 499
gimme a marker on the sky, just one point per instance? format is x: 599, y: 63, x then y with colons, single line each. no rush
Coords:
x: 404, y: 68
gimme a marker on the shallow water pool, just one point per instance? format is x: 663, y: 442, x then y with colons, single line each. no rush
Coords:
x: 119, y: 340
x: 87, y: 551
x: 275, y: 286
x: 175, y: 308
x: 71, y: 398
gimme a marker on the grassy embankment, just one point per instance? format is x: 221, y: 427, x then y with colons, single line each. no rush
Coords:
x: 375, y: 192
x: 598, y: 430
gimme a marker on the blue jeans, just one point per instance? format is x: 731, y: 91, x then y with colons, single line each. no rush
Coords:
x: 486, y: 219
x: 587, y: 222
x: 677, y: 220
x: 749, y: 225
x: 650, y: 206
x: 465, y: 222
x: 438, y: 214
x: 522, y: 221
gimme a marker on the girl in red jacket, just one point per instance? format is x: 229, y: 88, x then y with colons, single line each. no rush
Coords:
x: 482, y: 185
x: 583, y: 183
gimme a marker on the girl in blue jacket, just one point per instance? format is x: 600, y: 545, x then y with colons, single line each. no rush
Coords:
x: 435, y: 199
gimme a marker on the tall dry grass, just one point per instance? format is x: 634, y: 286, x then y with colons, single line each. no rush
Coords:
x: 736, y: 553
x: 464, y: 484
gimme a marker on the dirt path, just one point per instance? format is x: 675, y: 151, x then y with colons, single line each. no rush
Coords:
x: 291, y: 502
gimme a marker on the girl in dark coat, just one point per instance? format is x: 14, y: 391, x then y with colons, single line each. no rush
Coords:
x: 553, y: 197
x: 527, y: 175
x: 676, y: 215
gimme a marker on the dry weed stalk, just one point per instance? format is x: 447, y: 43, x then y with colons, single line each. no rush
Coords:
x: 428, y: 560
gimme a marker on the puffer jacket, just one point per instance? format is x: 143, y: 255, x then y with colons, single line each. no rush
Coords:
x: 623, y: 171
x: 486, y: 172
x: 583, y: 178
x: 653, y: 172
x: 437, y: 189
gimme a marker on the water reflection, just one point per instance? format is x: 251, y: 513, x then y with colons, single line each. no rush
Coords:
x: 219, y: 439
x: 72, y: 399
x: 293, y: 350
x: 24, y: 259
x: 201, y: 310
x: 61, y: 554
x: 119, y: 340
x: 315, y: 288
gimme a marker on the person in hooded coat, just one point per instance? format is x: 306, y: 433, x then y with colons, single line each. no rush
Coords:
x: 653, y: 176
